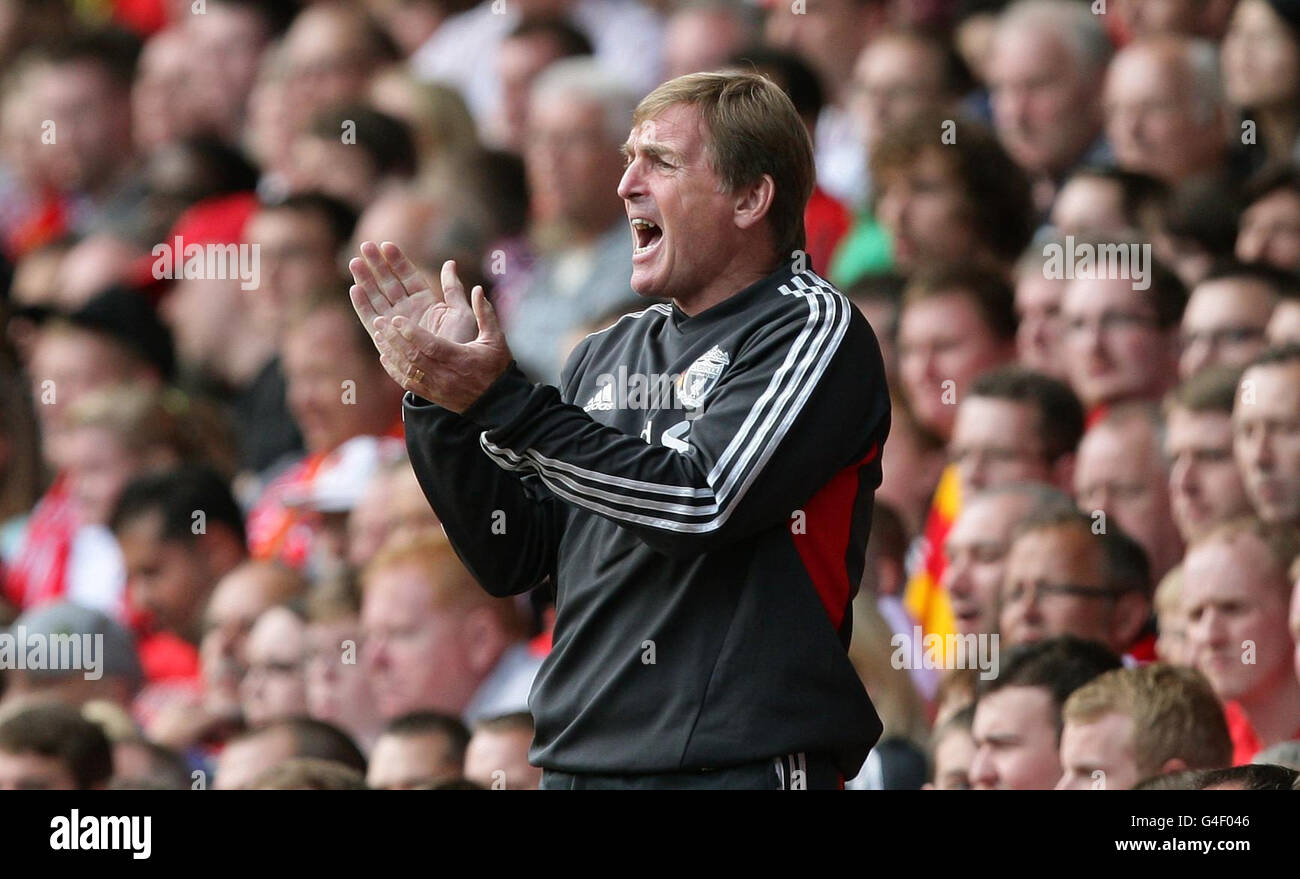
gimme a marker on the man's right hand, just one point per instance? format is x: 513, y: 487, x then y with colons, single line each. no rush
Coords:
x: 388, y: 285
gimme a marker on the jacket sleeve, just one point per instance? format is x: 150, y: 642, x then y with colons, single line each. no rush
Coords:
x: 803, y: 398
x: 505, y: 528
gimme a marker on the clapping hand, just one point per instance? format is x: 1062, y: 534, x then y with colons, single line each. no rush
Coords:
x: 439, y: 344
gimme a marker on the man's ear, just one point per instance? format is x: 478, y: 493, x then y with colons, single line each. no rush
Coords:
x: 483, y: 639
x: 1173, y: 764
x: 754, y: 201
x: 222, y: 549
x: 1131, y: 614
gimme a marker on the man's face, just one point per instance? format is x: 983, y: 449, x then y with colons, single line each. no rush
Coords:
x: 1231, y: 595
x: 996, y: 442
x: 99, y: 467
x: 1016, y: 744
x: 166, y: 578
x: 1224, y: 324
x: 1040, y: 332
x: 297, y: 253
x: 943, y: 345
x: 31, y: 771
x: 1044, y: 107
x: 1040, y: 567
x: 1266, y: 441
x: 66, y: 364
x: 572, y: 163
x: 700, y: 39
x: 670, y: 182
x: 1270, y: 231
x: 953, y: 756
x: 237, y: 601
x: 203, y: 315
x: 519, y: 60
x: 93, y: 123
x: 1121, y: 470
x: 405, y: 762
x: 894, y: 81
x: 319, y: 355
x: 499, y: 760
x: 275, y: 686
x: 335, y: 168
x: 1113, y: 348
x: 242, y: 761
x: 1154, y: 121
x: 829, y: 33
x: 1205, y: 487
x: 413, y: 651
x: 337, y: 691
x: 1099, y: 754
x: 976, y: 551
x: 326, y: 61
x: 228, y: 45
x: 924, y: 209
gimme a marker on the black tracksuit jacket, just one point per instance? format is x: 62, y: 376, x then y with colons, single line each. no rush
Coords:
x: 704, y: 544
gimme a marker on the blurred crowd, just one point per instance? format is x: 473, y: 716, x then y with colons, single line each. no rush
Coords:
x: 1096, y: 473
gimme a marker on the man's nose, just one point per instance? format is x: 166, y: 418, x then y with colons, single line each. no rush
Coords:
x: 957, y: 576
x: 981, y: 768
x: 1183, y: 478
x: 630, y: 185
x: 1208, y: 631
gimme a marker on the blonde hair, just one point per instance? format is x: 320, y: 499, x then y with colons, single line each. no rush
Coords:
x: 1174, y: 711
x: 144, y: 420
x: 751, y: 129
x: 333, y: 598
x: 1169, y: 593
x: 452, y: 585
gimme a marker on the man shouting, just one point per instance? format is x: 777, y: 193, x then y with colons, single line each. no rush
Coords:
x: 704, y: 543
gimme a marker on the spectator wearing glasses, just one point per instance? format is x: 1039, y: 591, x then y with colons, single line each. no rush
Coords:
x: 1013, y: 426
x: 1065, y: 578
x: 275, y: 684
x: 1121, y: 343
x: 975, y: 551
x: 1016, y: 425
x: 1227, y: 315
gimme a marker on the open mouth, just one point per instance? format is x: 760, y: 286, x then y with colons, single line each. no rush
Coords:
x: 646, y: 236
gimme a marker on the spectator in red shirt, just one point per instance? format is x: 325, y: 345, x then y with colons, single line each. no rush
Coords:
x: 180, y: 532
x: 1236, y: 594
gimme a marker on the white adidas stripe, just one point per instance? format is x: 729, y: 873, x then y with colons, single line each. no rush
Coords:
x: 790, y: 387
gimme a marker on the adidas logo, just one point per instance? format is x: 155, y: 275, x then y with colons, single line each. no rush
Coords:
x: 602, y: 400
